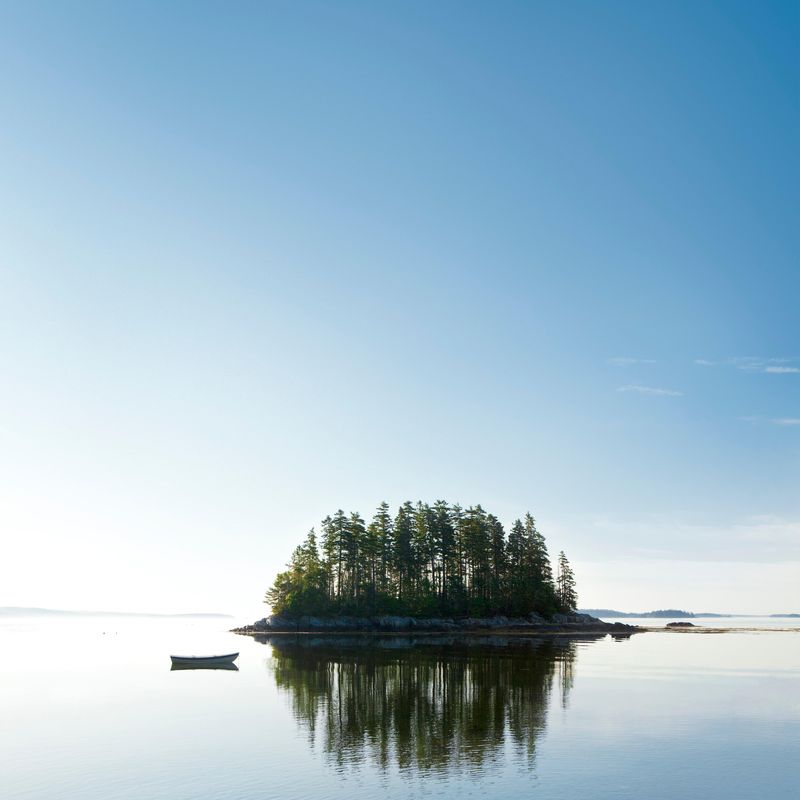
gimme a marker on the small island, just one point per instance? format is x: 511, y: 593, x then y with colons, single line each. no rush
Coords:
x: 428, y: 568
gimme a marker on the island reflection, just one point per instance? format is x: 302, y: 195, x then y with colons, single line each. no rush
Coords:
x: 429, y: 703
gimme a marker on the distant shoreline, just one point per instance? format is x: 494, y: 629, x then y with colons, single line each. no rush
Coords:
x: 24, y: 611
x: 675, y: 613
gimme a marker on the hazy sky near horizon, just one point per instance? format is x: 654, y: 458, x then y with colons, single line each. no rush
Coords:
x: 264, y: 260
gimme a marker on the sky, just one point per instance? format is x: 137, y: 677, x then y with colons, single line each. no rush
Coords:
x: 262, y: 261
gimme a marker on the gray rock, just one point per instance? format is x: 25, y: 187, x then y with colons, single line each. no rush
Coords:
x: 390, y: 623
x: 575, y: 619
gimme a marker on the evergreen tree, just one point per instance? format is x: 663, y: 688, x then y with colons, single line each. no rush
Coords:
x: 332, y: 558
x: 336, y: 546
x: 565, y: 585
x: 379, y: 547
x: 498, y: 564
x: 539, y: 567
x: 517, y: 596
x: 356, y: 558
x: 402, y: 553
x: 476, y: 555
x: 446, y: 545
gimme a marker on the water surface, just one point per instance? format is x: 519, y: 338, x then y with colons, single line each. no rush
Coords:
x: 91, y: 709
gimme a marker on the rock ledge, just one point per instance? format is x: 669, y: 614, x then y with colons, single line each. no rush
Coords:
x: 566, y: 623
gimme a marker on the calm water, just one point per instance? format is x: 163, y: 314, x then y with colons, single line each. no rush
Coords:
x: 90, y: 709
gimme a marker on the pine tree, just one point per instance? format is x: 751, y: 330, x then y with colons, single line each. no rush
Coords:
x: 446, y: 545
x: 356, y: 557
x: 565, y: 585
x: 403, y: 555
x: 337, y: 547
x: 476, y: 553
x: 516, y: 581
x: 332, y: 557
x: 498, y: 564
x: 380, y: 544
x: 538, y: 564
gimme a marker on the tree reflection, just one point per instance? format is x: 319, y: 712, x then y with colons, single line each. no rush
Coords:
x: 428, y: 703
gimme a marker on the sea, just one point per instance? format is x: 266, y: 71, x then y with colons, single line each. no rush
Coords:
x: 91, y: 708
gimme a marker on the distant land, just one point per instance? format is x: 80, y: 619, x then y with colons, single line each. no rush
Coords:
x: 23, y: 611
x: 675, y: 613
x: 661, y: 613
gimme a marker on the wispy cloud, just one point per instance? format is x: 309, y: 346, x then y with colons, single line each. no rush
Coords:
x: 782, y: 421
x: 651, y: 390
x: 748, y: 363
x: 626, y: 361
x: 774, y: 366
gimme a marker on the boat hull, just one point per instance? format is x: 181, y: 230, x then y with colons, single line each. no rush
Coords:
x: 204, y: 661
x: 228, y: 665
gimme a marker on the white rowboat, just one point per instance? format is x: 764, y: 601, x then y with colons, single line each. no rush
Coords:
x: 203, y: 661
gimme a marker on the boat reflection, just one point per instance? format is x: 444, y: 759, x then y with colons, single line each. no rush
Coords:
x: 428, y: 703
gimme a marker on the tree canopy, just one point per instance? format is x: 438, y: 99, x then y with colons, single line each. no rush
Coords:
x: 426, y: 560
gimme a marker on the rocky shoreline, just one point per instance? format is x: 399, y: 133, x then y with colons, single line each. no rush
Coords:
x: 577, y: 624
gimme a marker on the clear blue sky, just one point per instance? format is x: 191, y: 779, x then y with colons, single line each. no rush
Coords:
x: 260, y: 261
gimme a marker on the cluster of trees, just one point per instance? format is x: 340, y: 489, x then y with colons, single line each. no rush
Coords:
x: 427, y: 560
